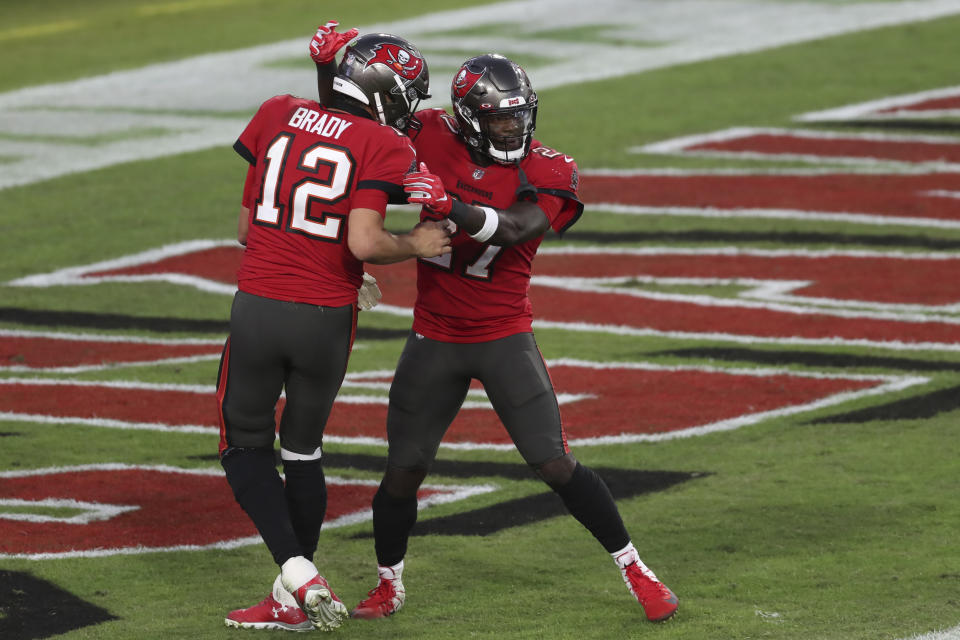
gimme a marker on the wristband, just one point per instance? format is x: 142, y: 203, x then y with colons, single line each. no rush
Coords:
x: 490, y: 224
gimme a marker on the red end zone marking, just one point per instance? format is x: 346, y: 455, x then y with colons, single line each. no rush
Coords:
x: 898, y: 280
x: 935, y: 103
x: 683, y: 317
x: 901, y: 196
x: 949, y: 103
x: 45, y: 352
x: 638, y: 401
x: 631, y: 402
x: 621, y: 400
x: 127, y: 404
x: 894, y: 279
x: 202, y: 505
x: 176, y: 508
x: 218, y: 263
x: 833, y: 277
x: 789, y: 143
x: 838, y: 277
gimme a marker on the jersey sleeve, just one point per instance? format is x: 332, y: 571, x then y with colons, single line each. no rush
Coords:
x: 247, y: 145
x: 559, y: 210
x: 382, y: 181
x: 557, y: 180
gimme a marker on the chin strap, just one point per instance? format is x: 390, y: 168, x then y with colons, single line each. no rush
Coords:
x: 525, y: 191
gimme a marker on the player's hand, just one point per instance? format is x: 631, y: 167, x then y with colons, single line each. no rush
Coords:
x: 430, y: 238
x: 427, y: 189
x: 368, y: 295
x: 326, y: 42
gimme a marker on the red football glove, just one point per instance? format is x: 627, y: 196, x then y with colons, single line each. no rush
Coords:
x: 425, y: 188
x: 326, y: 42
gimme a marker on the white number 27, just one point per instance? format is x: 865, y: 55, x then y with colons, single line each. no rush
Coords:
x: 478, y: 269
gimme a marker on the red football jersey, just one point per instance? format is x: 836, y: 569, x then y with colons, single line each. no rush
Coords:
x: 479, y: 291
x: 309, y: 168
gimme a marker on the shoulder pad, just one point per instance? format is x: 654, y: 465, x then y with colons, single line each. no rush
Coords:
x: 547, y: 168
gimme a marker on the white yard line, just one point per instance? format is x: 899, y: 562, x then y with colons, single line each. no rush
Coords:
x: 889, y: 108
x: 943, y: 634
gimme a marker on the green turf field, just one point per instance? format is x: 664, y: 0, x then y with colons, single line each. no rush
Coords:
x: 838, y: 521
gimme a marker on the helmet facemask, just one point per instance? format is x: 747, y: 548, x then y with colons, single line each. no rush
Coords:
x: 496, y: 108
x: 507, y: 133
x: 396, y: 106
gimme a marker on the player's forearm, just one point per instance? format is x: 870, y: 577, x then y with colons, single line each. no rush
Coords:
x: 521, y: 222
x: 243, y: 225
x: 385, y: 248
x: 325, y: 74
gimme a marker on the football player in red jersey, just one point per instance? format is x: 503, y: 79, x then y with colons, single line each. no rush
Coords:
x: 481, y: 170
x: 313, y: 209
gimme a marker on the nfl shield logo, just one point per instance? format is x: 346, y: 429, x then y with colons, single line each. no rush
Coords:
x: 477, y: 174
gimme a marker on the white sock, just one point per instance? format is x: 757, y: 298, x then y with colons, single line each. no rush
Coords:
x: 390, y: 573
x: 296, y: 572
x: 627, y: 556
x: 281, y: 595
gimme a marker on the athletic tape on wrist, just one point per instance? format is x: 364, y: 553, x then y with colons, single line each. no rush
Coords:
x: 490, y: 224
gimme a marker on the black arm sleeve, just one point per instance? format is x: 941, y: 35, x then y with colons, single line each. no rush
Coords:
x: 325, y: 74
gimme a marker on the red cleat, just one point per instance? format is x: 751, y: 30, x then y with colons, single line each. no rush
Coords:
x: 658, y: 602
x: 385, y: 600
x: 269, y: 614
x: 324, y: 609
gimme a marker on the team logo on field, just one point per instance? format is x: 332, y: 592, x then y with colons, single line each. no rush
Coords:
x: 404, y: 63
x: 819, y: 298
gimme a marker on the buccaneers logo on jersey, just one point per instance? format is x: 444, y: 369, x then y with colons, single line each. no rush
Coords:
x: 465, y: 81
x: 404, y: 63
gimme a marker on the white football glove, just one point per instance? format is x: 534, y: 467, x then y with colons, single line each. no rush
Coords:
x: 368, y: 295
